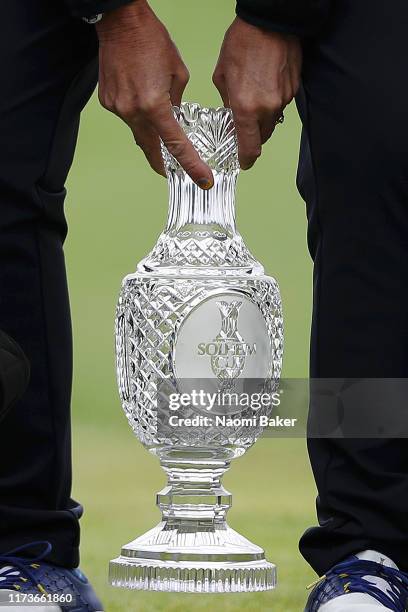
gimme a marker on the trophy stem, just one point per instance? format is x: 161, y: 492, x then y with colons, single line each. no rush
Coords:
x: 194, y: 492
x: 193, y: 549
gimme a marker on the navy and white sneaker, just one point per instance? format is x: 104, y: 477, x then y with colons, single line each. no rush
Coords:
x: 366, y: 582
x: 28, y: 580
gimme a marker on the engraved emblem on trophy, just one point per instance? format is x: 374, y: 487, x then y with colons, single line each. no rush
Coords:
x: 198, y: 307
x: 227, y: 365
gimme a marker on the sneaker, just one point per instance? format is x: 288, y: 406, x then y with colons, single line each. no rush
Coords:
x: 366, y: 582
x: 28, y: 581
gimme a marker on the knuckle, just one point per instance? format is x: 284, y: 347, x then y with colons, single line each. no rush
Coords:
x: 184, y: 76
x: 216, y: 78
x: 177, y: 148
x: 106, y: 102
x: 276, y: 102
x: 150, y: 105
x: 246, y: 106
x: 123, y: 107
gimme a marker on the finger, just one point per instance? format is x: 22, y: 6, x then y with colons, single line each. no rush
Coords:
x: 272, y: 113
x: 178, y: 85
x: 267, y: 127
x: 249, y: 140
x: 148, y: 140
x: 174, y: 138
x: 221, y: 84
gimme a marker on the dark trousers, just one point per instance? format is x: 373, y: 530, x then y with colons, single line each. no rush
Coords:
x: 48, y: 71
x: 353, y: 174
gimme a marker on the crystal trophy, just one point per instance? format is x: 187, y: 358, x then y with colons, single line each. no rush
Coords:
x: 198, y: 308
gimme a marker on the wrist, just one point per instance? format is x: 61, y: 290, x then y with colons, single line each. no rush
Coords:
x: 249, y: 27
x: 121, y: 20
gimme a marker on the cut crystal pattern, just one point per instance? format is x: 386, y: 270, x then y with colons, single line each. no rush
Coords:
x: 150, y: 312
x: 212, y: 132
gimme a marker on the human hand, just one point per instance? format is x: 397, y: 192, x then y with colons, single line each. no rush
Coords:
x: 141, y: 75
x: 257, y: 75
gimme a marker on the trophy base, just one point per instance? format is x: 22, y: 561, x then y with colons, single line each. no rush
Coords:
x: 192, y: 559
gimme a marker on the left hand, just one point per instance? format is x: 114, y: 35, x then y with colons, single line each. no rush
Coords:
x: 257, y: 75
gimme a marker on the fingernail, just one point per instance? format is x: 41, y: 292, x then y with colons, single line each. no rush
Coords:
x: 205, y: 183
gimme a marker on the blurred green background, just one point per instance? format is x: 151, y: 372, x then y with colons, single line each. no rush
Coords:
x: 116, y: 208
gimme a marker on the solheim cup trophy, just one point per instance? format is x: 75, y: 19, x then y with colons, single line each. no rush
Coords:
x: 199, y: 307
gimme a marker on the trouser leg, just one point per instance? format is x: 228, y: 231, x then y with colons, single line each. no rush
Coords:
x: 49, y: 70
x: 353, y: 173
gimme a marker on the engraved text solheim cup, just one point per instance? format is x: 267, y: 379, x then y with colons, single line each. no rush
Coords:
x: 199, y: 307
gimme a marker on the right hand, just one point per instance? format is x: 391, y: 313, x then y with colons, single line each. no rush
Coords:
x: 141, y: 75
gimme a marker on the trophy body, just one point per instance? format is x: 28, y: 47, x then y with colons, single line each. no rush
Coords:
x: 199, y: 308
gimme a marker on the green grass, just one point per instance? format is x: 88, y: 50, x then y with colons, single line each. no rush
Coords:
x: 116, y: 207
